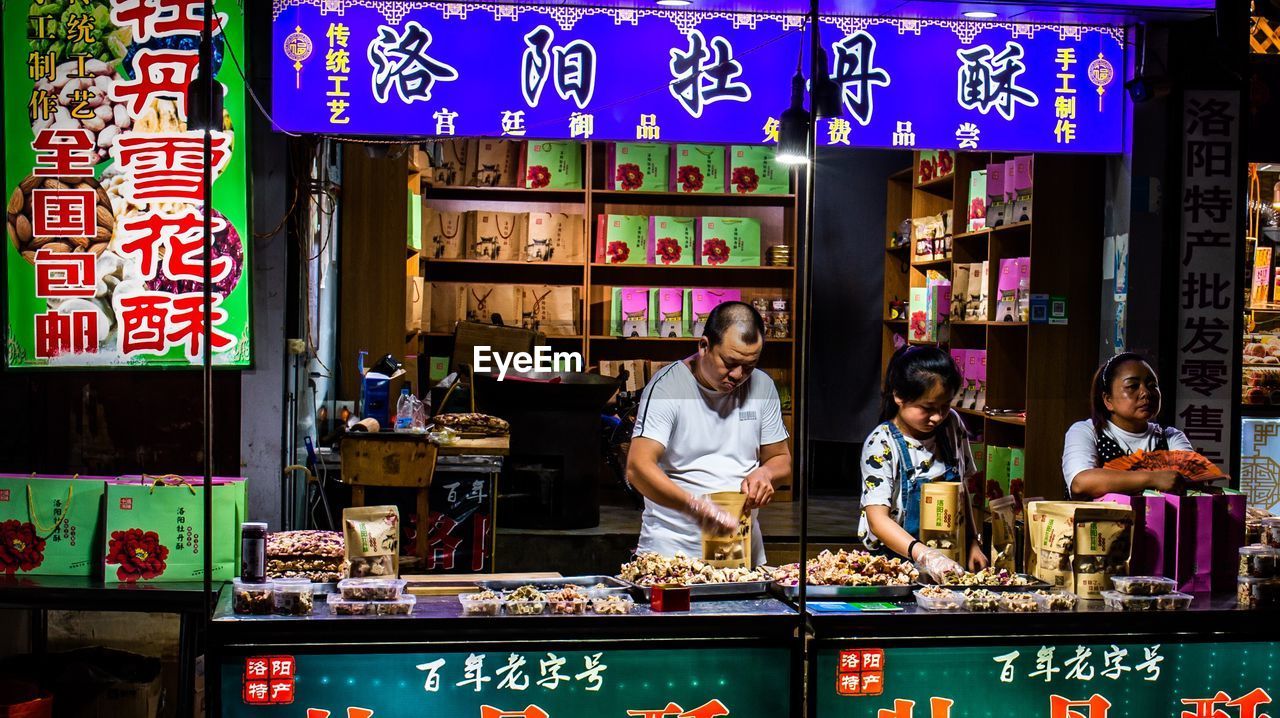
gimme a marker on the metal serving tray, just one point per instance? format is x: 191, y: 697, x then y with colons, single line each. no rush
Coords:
x: 710, y: 591
x: 823, y: 592
x: 552, y: 584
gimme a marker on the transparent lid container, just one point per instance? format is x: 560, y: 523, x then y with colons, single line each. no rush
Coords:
x: 1015, y: 602
x: 1055, y: 600
x: 524, y: 607
x: 953, y: 601
x: 613, y: 604
x: 1173, y: 601
x: 1144, y: 585
x: 292, y: 585
x: 402, y: 606
x: 371, y: 589
x: 480, y: 604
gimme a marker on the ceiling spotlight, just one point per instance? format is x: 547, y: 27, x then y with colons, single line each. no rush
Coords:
x: 980, y: 14
x: 675, y: 3
x: 793, y: 127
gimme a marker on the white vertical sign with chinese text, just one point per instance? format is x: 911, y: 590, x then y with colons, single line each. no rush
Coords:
x: 1207, y: 281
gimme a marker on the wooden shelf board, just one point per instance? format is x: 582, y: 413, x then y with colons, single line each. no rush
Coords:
x: 686, y: 267
x: 970, y: 412
x: 1008, y: 325
x: 895, y: 321
x: 936, y: 184
x: 976, y: 234
x: 510, y: 194
x: 969, y: 324
x: 609, y: 196
x: 1012, y: 228
x: 610, y: 338
x: 1010, y: 420
x: 919, y: 343
x: 932, y: 263
x: 903, y: 174
x: 500, y: 263
x: 549, y: 337
x: 901, y: 248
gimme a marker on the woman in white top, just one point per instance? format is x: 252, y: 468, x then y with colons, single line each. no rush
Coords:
x: 1125, y: 400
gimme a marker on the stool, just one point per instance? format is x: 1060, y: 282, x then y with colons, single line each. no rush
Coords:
x: 403, y: 461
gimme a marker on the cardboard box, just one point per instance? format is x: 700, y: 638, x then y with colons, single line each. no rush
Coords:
x: 630, y: 312
x: 960, y: 293
x: 552, y: 165
x: 1024, y: 288
x: 997, y: 207
x: 1017, y: 473
x: 437, y: 369
x: 977, y: 218
x: 1007, y: 286
x: 553, y: 237
x: 698, y: 304
x: 638, y: 167
x: 998, y: 460
x: 666, y: 314
x: 698, y: 169
x: 728, y: 241
x: 493, y: 163
x: 672, y: 240
x: 753, y: 169
x: 622, y: 239
x: 496, y: 236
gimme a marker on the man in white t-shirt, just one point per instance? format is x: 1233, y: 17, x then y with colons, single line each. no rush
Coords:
x: 706, y: 424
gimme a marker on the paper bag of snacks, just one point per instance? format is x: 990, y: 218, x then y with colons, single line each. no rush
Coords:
x: 733, y: 550
x: 1081, y: 545
x: 1004, y: 533
x: 372, y: 538
x: 942, y: 518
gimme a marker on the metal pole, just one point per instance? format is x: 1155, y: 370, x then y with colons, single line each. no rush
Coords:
x: 206, y: 87
x: 806, y: 272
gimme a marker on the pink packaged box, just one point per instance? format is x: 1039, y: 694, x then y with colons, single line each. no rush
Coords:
x: 699, y: 303
x: 1022, y: 175
x: 1193, y: 541
x: 1007, y: 291
x: 1010, y: 168
x: 995, y: 183
x: 667, y: 314
x: 1152, y: 536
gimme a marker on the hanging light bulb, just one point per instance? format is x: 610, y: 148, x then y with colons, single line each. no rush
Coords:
x: 826, y: 93
x: 793, y: 128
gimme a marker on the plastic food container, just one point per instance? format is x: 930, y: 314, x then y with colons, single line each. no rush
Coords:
x: 480, y: 604
x: 953, y: 601
x: 603, y: 591
x: 371, y: 589
x: 252, y: 599
x: 1049, y: 601
x: 981, y: 601
x: 1174, y: 601
x: 613, y: 604
x: 1124, y: 602
x: 1144, y: 585
x: 568, y: 606
x: 1019, y: 603
x: 402, y: 606
x: 1259, y: 562
x: 1257, y: 592
x: 525, y: 607
x: 293, y: 597
x: 1271, y: 532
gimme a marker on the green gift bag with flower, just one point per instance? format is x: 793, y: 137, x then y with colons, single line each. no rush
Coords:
x: 622, y: 239
x: 729, y: 241
x: 50, y: 525
x: 552, y: 165
x: 155, y: 529
x: 638, y: 167
x: 753, y: 169
x: 698, y: 169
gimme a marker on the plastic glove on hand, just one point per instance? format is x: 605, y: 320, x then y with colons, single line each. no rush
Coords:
x: 936, y: 564
x: 710, y: 518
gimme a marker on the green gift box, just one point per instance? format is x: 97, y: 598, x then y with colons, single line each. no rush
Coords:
x: 999, y: 459
x: 729, y: 241
x: 155, y: 529
x: 1017, y: 472
x: 672, y: 240
x: 50, y: 525
x: 622, y: 239
x: 754, y: 169
x: 638, y: 167
x: 552, y: 165
x: 698, y: 169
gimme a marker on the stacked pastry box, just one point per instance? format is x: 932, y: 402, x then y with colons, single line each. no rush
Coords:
x: 1002, y: 194
x: 695, y: 169
x: 678, y: 241
x: 929, y: 310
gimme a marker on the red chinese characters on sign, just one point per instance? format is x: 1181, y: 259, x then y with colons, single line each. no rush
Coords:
x: 168, y: 167
x: 711, y: 709
x: 938, y: 708
x: 157, y: 74
x: 1208, y: 707
x: 64, y: 153
x: 531, y: 711
x: 60, y: 275
x: 162, y: 18
x: 179, y: 238
x: 151, y: 322
x: 269, y: 680
x: 351, y: 713
x: 860, y: 672
x: 74, y: 332
x: 63, y: 213
x: 1094, y: 707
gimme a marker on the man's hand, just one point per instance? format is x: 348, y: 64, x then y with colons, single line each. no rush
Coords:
x: 977, y: 558
x: 710, y: 518
x: 758, y: 486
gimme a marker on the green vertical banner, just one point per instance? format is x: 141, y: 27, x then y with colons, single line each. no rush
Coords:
x: 103, y: 265
x: 1051, y: 680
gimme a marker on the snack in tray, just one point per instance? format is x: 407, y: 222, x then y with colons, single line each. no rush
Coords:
x: 526, y: 601
x: 252, y: 599
x: 980, y: 600
x: 937, y: 598
x: 1173, y: 602
x: 1162, y: 602
x: 340, y: 606
x: 570, y: 600
x: 1019, y: 603
x: 293, y: 597
x: 850, y: 568
x: 1144, y: 585
x: 474, y: 424
x: 371, y: 589
x: 314, y: 555
x: 651, y: 569
x: 1055, y: 600
x: 940, y: 544
x: 484, y: 603
x: 986, y: 577
x: 1259, y: 562
x: 613, y: 605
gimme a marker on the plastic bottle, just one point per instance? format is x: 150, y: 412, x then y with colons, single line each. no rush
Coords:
x: 404, y: 411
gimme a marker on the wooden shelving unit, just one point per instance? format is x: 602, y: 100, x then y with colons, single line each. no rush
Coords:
x: 1041, y: 368
x: 778, y: 216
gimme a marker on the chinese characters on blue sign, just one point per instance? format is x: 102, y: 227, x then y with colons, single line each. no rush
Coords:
x: 383, y: 68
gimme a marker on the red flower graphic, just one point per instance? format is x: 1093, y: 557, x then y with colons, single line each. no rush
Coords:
x: 746, y: 179
x: 669, y: 250
x: 20, y: 547
x: 618, y: 252
x: 138, y: 553
x: 716, y: 251
x: 977, y: 208
x: 690, y: 178
x: 945, y: 163
x: 539, y: 176
x: 918, y: 331
x: 994, y: 491
x: 630, y: 176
